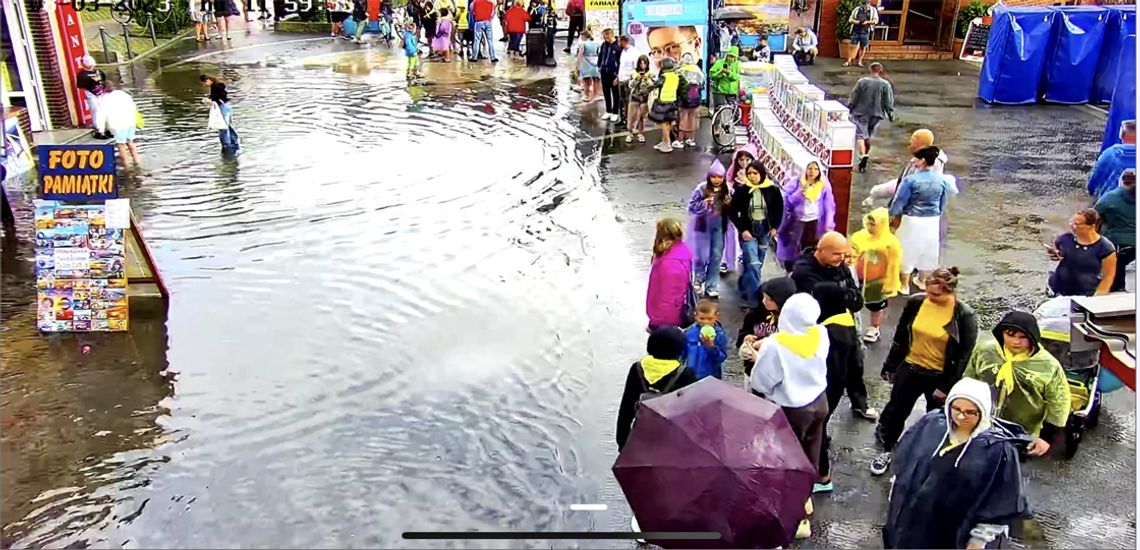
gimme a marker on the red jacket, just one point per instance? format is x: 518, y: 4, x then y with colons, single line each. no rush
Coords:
x: 483, y: 10
x: 576, y: 7
x: 517, y: 18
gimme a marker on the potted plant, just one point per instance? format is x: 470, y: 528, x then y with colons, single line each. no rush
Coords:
x: 843, y: 26
x: 975, y: 9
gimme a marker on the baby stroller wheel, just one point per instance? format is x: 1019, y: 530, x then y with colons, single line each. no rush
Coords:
x: 1094, y: 414
x: 1073, y: 436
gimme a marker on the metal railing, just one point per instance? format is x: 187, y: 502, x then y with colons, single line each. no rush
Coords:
x: 149, y: 27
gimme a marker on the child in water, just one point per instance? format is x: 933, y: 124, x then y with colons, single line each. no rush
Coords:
x: 706, y: 343
x: 412, y: 50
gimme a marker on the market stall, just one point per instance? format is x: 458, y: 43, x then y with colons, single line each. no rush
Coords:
x: 793, y: 123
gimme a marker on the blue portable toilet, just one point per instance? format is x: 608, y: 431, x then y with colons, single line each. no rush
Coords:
x: 1074, y: 50
x: 1015, y: 55
x: 1123, y: 105
x: 1121, y: 23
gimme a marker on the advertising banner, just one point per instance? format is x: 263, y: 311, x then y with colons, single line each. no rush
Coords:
x: 71, y: 34
x: 81, y: 279
x: 770, y: 16
x: 668, y: 28
x: 77, y: 172
x: 601, y: 15
x: 17, y: 156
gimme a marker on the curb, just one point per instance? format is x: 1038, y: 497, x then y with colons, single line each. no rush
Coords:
x: 175, y: 40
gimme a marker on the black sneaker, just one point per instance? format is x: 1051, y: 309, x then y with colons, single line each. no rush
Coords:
x: 881, y: 464
x: 495, y: 60
x: 863, y: 161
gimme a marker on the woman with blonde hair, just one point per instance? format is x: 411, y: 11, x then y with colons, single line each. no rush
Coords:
x: 670, y: 277
x: 809, y: 212
x: 933, y: 342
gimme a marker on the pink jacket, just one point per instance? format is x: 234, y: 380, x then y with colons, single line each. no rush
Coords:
x: 669, y: 279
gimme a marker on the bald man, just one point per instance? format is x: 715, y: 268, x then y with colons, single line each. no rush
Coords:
x: 919, y: 140
x: 825, y: 263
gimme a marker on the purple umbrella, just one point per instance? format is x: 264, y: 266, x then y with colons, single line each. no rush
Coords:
x: 712, y: 457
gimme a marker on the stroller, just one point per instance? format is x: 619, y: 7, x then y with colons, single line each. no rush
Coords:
x: 1082, y: 369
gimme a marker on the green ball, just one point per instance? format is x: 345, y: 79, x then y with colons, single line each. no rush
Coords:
x: 708, y: 332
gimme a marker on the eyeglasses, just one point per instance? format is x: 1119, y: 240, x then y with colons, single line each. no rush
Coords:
x: 670, y: 47
x: 962, y: 413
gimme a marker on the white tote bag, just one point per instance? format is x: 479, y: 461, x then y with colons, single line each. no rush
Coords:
x: 217, y: 119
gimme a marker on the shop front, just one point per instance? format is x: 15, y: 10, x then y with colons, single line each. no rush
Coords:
x: 24, y: 95
x: 915, y: 23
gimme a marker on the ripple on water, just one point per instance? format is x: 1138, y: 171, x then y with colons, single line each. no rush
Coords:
x: 376, y: 323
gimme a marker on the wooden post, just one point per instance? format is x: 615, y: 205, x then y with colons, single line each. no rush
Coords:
x: 839, y: 173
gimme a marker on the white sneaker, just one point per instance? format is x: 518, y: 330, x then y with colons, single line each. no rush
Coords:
x: 678, y: 145
x: 629, y: 138
x: 871, y: 336
x: 663, y: 147
x: 641, y: 138
x: 691, y: 142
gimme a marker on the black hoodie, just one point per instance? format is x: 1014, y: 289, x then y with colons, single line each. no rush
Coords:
x: 808, y: 272
x: 845, y: 354
x: 761, y: 322
x: 1022, y: 322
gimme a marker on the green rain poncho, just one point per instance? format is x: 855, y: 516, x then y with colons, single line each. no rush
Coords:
x: 1037, y: 392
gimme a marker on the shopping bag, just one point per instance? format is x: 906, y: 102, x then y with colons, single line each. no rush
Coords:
x: 138, y: 120
x: 217, y: 119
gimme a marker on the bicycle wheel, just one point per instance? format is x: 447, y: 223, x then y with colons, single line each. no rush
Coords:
x: 121, y: 12
x: 724, y: 126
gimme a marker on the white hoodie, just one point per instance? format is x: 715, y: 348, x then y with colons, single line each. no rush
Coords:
x: 977, y: 392
x: 117, y: 111
x: 783, y: 376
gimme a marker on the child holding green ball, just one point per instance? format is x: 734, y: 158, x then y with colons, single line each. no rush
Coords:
x: 706, y: 343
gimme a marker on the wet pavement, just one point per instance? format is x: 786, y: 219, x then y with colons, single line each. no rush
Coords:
x: 365, y: 339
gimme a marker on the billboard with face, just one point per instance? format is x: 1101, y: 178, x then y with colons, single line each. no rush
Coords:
x: 668, y: 28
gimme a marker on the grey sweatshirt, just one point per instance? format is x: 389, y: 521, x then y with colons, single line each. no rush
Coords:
x: 872, y: 97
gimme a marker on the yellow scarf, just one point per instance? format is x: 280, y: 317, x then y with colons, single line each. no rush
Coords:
x: 805, y: 345
x: 843, y: 319
x: 814, y: 191
x: 656, y: 369
x: 1004, y: 379
x: 766, y: 183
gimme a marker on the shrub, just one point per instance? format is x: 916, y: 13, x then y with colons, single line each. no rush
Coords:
x: 843, y: 21
x: 974, y: 9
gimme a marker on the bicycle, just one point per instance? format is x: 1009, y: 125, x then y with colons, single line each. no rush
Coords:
x: 122, y: 12
x: 724, y: 123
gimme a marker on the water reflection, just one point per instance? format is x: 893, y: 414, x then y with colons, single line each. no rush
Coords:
x: 81, y: 414
x: 396, y: 310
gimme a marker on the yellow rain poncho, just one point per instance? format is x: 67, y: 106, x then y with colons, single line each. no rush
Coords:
x: 878, y: 257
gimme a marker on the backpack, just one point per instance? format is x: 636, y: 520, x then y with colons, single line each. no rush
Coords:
x: 692, y: 97
x: 648, y: 392
x: 689, y: 310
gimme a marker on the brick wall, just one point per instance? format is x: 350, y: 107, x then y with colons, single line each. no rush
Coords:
x: 52, y: 75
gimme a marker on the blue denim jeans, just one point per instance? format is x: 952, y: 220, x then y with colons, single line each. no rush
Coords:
x: 228, y: 137
x: 710, y: 276
x: 753, y: 252
x: 483, y: 32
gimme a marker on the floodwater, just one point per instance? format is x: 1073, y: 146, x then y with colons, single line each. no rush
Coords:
x: 365, y: 339
x: 395, y: 311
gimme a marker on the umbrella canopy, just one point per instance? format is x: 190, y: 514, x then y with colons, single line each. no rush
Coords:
x: 712, y: 457
x: 732, y: 14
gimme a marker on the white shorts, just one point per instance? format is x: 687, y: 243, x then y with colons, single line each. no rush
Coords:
x: 920, y: 242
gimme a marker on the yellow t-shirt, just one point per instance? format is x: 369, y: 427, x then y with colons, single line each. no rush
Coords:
x: 929, y: 336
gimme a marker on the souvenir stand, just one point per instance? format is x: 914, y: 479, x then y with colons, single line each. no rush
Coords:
x: 793, y: 124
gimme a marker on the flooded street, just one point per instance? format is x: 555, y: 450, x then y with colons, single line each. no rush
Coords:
x: 413, y: 309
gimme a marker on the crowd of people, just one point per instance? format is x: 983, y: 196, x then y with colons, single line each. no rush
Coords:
x: 991, y: 403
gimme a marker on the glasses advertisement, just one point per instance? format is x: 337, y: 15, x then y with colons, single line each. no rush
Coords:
x: 668, y: 29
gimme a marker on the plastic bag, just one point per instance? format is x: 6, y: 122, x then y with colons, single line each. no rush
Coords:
x: 217, y: 120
